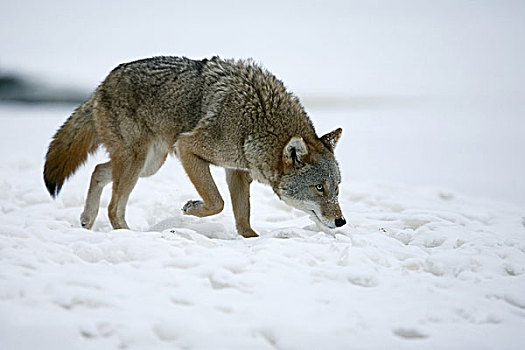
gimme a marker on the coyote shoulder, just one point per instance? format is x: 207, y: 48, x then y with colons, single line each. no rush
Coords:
x: 229, y: 113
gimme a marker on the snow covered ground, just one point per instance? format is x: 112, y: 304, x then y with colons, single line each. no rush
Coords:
x: 431, y: 99
x: 415, y: 267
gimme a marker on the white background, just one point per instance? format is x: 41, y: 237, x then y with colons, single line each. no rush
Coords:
x: 429, y: 93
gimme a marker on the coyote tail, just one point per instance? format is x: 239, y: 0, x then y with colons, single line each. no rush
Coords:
x: 70, y: 147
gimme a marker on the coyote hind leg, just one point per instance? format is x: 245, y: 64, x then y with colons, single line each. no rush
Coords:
x: 125, y: 173
x: 100, y: 178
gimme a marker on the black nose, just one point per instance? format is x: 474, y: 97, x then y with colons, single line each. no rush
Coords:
x: 340, y: 221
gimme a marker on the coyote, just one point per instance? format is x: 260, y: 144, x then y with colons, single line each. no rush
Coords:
x: 229, y: 113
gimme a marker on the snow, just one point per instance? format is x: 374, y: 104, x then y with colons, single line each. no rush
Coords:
x: 431, y: 100
x: 415, y: 267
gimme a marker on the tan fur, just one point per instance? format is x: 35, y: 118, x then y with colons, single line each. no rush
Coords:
x: 228, y: 113
x: 239, y: 186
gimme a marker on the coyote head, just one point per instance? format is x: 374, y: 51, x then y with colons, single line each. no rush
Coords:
x: 311, y: 178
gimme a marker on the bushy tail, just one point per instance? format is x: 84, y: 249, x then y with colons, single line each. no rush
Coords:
x: 70, y: 147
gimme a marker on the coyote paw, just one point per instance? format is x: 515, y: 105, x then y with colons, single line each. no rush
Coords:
x: 248, y: 233
x: 191, y: 206
x: 201, y: 209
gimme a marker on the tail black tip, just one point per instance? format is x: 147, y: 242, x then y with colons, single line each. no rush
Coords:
x: 53, y: 188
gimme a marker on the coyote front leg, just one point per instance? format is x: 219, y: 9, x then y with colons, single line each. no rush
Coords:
x: 198, y: 171
x: 239, y: 185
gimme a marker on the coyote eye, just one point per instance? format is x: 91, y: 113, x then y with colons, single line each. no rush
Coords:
x: 319, y: 187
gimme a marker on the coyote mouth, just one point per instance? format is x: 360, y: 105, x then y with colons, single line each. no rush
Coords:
x: 318, y: 219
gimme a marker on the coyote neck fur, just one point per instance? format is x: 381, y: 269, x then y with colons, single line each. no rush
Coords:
x: 267, y: 115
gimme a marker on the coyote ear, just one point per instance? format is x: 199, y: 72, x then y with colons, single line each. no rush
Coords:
x: 294, y: 151
x: 330, y: 139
